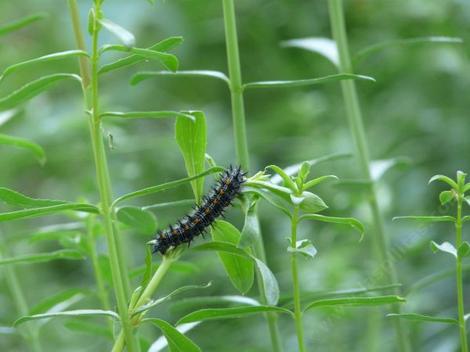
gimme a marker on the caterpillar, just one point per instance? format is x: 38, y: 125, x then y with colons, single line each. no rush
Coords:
x: 212, y: 205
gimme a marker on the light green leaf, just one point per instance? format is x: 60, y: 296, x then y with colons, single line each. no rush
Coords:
x: 147, y: 115
x: 164, y: 186
x: 326, y: 47
x: 354, y: 223
x: 192, y: 140
x: 130, y: 60
x: 239, y: 270
x: 142, y: 221
x: 423, y: 318
x: 70, y: 313
x: 311, y: 203
x: 89, y: 328
x: 403, y: 42
x: 446, y: 196
x: 34, y: 148
x: 286, y: 178
x: 161, y: 343
x: 251, y: 232
x: 176, y: 340
x: 12, y: 197
x: 273, y: 199
x: 319, y: 180
x: 445, y: 247
x: 126, y: 37
x: 21, y: 23
x: 53, y: 209
x: 425, y: 219
x: 444, y: 179
x: 66, y: 254
x: 56, y: 301
x: 303, y: 247
x: 230, y: 313
x: 32, y: 89
x: 355, y: 301
x: 463, y: 250
x: 50, y: 57
x: 142, y: 76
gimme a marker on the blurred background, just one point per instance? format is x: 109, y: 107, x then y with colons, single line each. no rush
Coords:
x: 417, y: 109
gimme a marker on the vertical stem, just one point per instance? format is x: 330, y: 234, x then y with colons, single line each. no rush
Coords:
x: 295, y: 282
x: 118, y: 272
x: 460, y: 300
x: 356, y: 125
x: 241, y: 140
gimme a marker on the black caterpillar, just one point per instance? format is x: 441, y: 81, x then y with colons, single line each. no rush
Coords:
x: 211, y: 207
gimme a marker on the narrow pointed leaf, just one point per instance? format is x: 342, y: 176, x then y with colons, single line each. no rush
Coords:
x: 141, y: 76
x: 32, y: 147
x: 53, y: 209
x: 161, y: 343
x: 230, y: 313
x: 303, y: 247
x: 20, y: 23
x: 147, y: 115
x: 354, y: 223
x: 464, y: 250
x: 319, y: 180
x: 12, y: 197
x: 285, y: 177
x: 423, y: 318
x: 444, y: 179
x: 176, y: 340
x: 126, y: 37
x: 355, y: 301
x: 306, y: 82
x: 66, y: 254
x: 425, y: 219
x: 34, y: 88
x: 70, y: 313
x: 445, y: 247
x: 326, y: 47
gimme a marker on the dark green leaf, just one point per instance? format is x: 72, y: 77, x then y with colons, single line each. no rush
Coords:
x: 463, y: 250
x: 176, y: 340
x: 356, y: 224
x: 20, y: 23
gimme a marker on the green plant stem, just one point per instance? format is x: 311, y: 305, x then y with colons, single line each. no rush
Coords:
x: 241, y: 140
x: 356, y: 125
x: 118, y: 271
x: 460, y: 299
x: 295, y: 282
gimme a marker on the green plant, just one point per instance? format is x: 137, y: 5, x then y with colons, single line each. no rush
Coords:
x: 456, y: 194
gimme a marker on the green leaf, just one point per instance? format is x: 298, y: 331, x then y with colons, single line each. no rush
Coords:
x: 69, y: 313
x: 463, y: 250
x: 446, y: 196
x: 311, y: 203
x: 303, y: 247
x: 403, y: 42
x: 286, y: 178
x: 66, y: 254
x: 142, y: 221
x: 50, y: 57
x: 461, y: 179
x: 274, y: 200
x: 306, y: 82
x: 142, y: 76
x: 21, y: 23
x: 176, y: 340
x: 89, y: 328
x: 355, y: 301
x: 53, y: 209
x: 271, y: 287
x: 239, y: 270
x: 251, y: 232
x: 378, y: 168
x: 423, y: 318
x: 12, y: 197
x: 34, y: 88
x: 126, y: 37
x: 156, y: 302
x: 164, y: 186
x: 319, y: 180
x: 229, y: 313
x: 192, y: 140
x: 130, y: 60
x: 354, y: 223
x: 147, y: 273
x: 326, y: 47
x: 426, y: 219
x: 147, y: 115
x: 445, y: 247
x: 34, y: 148
x: 55, y: 301
x: 444, y: 179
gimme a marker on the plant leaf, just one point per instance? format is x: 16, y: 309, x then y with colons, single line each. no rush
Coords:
x: 306, y: 82
x: 34, y: 148
x: 425, y: 219
x: 239, y: 270
x: 304, y: 247
x: 89, y: 328
x: 445, y: 247
x: 69, y: 313
x: 147, y: 115
x: 67, y: 254
x: 286, y: 178
x: 53, y: 209
x: 12, y: 197
x: 446, y: 196
x: 126, y: 37
x: 142, y: 221
x: 21, y: 23
x: 403, y: 42
x: 229, y: 313
x: 463, y: 250
x: 160, y: 343
x: 444, y: 179
x: 355, y: 301
x: 192, y: 140
x: 50, y: 57
x: 326, y: 47
x: 55, y: 302
x: 423, y: 318
x: 176, y: 340
x: 130, y: 60
x: 319, y: 180
x: 34, y: 88
x: 311, y: 203
x: 142, y: 76
x: 354, y: 223
x: 164, y: 186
